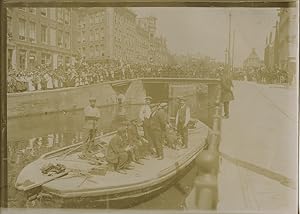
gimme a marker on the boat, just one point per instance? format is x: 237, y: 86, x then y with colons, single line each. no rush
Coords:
x: 76, y: 186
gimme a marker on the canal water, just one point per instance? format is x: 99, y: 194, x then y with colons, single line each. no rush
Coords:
x: 30, y: 137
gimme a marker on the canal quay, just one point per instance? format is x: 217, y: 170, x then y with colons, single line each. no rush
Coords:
x: 151, y: 109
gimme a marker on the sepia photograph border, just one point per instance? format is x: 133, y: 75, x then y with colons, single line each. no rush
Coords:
x: 4, y: 4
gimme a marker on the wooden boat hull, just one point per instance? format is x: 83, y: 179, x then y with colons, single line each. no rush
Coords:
x: 117, y: 190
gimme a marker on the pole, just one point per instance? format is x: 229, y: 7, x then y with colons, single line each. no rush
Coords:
x: 229, y: 42
x: 232, y: 50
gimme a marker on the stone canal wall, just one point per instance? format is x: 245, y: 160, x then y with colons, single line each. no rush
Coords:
x: 68, y: 99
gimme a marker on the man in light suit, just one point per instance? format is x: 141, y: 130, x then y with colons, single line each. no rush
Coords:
x: 182, y: 120
x: 92, y: 115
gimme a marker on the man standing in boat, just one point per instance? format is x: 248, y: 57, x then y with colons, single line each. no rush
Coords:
x: 144, y: 116
x: 92, y: 115
x: 159, y: 120
x: 182, y: 120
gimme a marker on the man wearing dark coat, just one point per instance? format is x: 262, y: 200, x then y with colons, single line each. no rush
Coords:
x: 134, y: 139
x: 117, y: 152
x: 226, y: 92
x: 159, y: 120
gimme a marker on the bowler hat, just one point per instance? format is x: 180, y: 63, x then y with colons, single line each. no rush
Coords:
x: 148, y: 98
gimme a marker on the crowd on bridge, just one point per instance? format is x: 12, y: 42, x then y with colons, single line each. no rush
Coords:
x: 43, y: 77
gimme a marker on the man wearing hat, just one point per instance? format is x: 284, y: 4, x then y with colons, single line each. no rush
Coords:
x: 159, y: 120
x: 182, y: 120
x: 91, y: 116
x: 144, y: 116
x: 117, y: 152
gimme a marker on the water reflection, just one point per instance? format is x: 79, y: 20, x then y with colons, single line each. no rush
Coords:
x: 30, y: 137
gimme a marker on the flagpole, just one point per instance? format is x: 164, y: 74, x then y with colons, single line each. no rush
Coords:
x: 229, y: 42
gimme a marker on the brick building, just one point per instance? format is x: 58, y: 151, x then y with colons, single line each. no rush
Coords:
x: 117, y: 33
x: 40, y: 36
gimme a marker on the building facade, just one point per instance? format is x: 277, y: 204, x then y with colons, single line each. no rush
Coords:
x: 40, y: 36
x: 281, y: 45
x: 117, y: 34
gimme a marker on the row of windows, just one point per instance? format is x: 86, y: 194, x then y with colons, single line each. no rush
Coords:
x: 26, y: 59
x: 93, y: 35
x: 52, y: 36
x: 93, y: 51
x: 62, y: 15
x: 95, y: 18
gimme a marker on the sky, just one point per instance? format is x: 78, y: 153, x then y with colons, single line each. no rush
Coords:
x: 205, y: 30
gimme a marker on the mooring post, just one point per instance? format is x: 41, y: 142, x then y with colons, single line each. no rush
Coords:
x: 206, y: 194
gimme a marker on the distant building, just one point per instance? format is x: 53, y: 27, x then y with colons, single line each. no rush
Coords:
x: 281, y: 45
x: 117, y: 34
x: 287, y: 41
x: 252, y: 61
x: 40, y: 36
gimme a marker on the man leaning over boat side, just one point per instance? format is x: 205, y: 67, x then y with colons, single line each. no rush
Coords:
x: 182, y: 120
x: 117, y: 152
x: 159, y: 120
x: 91, y: 115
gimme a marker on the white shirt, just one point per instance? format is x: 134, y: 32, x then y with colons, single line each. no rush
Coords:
x: 145, y: 112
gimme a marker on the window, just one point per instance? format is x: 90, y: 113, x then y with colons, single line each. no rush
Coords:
x: 53, y: 13
x: 44, y: 11
x: 91, y: 51
x: 32, y: 10
x: 32, y: 59
x: 59, y: 15
x: 83, y: 36
x: 21, y: 29
x: 32, y: 32
x: 97, y: 36
x: 59, y: 38
x: 67, y: 60
x: 67, y: 40
x: 53, y: 36
x: 60, y: 60
x: 83, y: 51
x: 92, y: 35
x: 67, y: 16
x: 46, y: 59
x: 43, y: 34
x: 9, y: 58
x: 9, y: 27
x: 97, y: 20
x: 22, y: 59
x: 97, y: 50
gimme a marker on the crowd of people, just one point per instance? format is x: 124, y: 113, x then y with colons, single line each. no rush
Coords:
x: 42, y: 77
x: 266, y: 75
